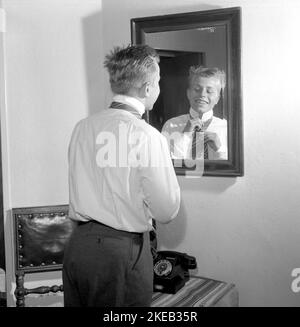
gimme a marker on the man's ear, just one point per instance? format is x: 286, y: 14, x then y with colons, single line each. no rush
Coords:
x: 145, y: 90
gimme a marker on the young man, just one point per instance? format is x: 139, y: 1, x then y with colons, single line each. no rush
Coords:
x: 120, y: 178
x: 203, y: 93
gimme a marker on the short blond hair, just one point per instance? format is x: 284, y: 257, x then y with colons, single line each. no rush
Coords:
x: 208, y: 72
x: 130, y: 67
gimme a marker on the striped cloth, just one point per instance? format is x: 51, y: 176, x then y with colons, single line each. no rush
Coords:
x: 199, y: 292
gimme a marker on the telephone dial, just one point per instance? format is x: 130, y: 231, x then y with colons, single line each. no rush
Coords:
x: 171, y: 270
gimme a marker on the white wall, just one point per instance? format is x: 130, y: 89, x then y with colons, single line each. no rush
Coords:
x: 243, y: 230
x: 54, y: 77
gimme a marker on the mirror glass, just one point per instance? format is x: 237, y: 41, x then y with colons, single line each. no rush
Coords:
x: 199, y: 107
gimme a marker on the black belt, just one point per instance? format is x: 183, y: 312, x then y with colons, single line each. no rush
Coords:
x: 121, y: 232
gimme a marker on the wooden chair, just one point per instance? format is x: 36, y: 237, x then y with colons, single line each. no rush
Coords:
x: 40, y: 237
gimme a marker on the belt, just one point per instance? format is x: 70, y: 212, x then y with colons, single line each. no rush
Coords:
x: 120, y: 232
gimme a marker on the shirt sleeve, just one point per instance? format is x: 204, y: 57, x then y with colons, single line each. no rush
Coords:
x: 159, y: 182
x: 179, y: 143
x: 71, y: 162
x: 222, y: 152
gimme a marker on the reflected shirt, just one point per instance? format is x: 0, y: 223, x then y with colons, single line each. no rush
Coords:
x: 120, y: 171
x: 181, y: 148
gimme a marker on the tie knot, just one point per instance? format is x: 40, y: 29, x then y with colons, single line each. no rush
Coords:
x: 198, y: 125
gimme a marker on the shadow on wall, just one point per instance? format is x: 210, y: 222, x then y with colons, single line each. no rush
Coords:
x: 92, y: 33
x: 2, y: 248
x: 172, y: 234
x: 212, y: 185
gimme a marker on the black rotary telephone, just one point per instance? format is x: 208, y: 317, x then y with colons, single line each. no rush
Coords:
x: 171, y: 271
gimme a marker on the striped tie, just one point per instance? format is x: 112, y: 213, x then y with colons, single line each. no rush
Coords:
x: 194, y: 139
x: 194, y: 142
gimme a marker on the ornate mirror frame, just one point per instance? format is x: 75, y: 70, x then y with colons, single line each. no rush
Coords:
x: 229, y: 19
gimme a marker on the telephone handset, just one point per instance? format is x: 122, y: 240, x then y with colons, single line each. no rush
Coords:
x: 171, y: 270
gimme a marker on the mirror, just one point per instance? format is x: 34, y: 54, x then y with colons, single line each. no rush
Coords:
x: 200, y: 99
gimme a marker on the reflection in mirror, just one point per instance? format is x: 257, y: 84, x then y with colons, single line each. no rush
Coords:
x: 199, y: 106
x: 199, y: 133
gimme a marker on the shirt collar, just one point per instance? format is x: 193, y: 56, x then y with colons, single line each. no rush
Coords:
x: 132, y: 102
x: 206, y: 116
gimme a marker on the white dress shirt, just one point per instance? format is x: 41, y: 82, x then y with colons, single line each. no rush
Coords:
x: 181, y: 147
x: 120, y: 171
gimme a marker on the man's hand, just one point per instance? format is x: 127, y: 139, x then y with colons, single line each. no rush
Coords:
x: 212, y: 139
x: 192, y: 124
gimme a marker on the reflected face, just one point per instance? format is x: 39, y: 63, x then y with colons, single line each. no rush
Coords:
x: 204, y: 93
x: 154, y: 89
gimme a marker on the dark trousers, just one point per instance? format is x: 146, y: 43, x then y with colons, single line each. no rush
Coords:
x: 104, y: 267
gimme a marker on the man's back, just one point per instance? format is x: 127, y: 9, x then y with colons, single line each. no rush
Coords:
x: 110, y: 153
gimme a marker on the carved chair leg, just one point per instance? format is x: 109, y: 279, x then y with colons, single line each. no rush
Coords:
x: 20, y: 290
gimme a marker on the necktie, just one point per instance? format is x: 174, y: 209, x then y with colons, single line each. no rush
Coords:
x: 194, y: 140
x: 153, y: 240
x: 124, y: 106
